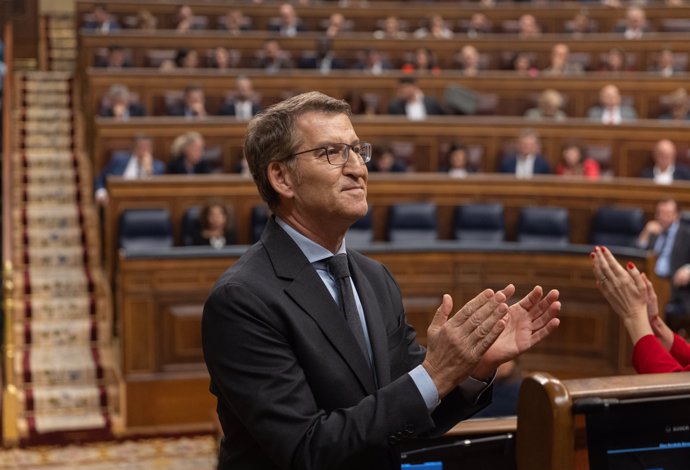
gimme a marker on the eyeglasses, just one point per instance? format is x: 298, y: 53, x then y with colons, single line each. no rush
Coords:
x: 338, y: 154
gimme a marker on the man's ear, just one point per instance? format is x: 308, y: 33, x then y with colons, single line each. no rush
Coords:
x: 281, y: 178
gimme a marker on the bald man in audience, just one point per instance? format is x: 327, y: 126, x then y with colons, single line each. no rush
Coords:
x: 665, y: 169
x: 611, y: 109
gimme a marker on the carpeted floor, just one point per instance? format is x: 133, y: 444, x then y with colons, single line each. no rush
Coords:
x: 186, y: 453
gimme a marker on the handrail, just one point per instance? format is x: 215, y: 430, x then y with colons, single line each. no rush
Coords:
x: 10, y: 403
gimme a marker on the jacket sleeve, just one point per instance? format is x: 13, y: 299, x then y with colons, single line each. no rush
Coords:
x: 650, y: 357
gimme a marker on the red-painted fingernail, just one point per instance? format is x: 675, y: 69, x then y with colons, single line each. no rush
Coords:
x: 591, y: 255
x: 596, y: 248
x: 631, y: 265
x: 603, y: 248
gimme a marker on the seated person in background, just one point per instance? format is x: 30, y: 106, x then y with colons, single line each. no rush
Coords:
x: 436, y: 28
x: 412, y: 102
x: 528, y: 26
x: 478, y: 25
x: 548, y: 107
x: 324, y: 58
x: 383, y: 160
x: 468, y: 60
x: 116, y: 58
x: 187, y: 59
x: 234, y: 22
x: 635, y: 23
x: 574, y: 163
x: 526, y: 161
x: 678, y: 105
x: 458, y: 161
x: 288, y: 24
x: 669, y: 238
x: 560, y: 64
x: 631, y: 295
x: 336, y: 25
x: 614, y: 61
x: 373, y: 62
x: 184, y: 19
x: 610, y: 109
x: 273, y: 58
x: 506, y: 391
x: 118, y: 104
x: 193, y: 103
x: 391, y: 29
x: 580, y: 25
x: 244, y: 104
x: 146, y: 21
x: 523, y: 64
x: 423, y: 61
x: 139, y: 164
x: 100, y: 20
x: 224, y: 59
x: 665, y: 169
x: 188, y: 155
x: 215, y: 227
x: 665, y: 64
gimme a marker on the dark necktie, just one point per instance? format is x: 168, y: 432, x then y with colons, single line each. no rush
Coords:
x: 337, y: 266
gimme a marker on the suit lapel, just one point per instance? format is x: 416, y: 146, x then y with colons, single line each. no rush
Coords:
x: 306, y: 289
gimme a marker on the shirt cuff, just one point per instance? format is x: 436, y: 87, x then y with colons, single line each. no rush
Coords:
x: 426, y: 387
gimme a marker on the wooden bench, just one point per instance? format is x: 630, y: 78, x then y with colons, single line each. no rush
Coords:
x: 349, y: 47
x: 515, y: 94
x: 623, y: 150
x: 553, y: 17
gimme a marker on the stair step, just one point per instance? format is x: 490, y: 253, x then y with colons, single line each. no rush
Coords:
x: 61, y: 399
x: 58, y: 216
x: 48, y: 177
x: 58, y: 310
x: 70, y: 422
x: 63, y: 257
x: 42, y: 238
x: 48, y: 159
x: 50, y: 194
x: 73, y: 365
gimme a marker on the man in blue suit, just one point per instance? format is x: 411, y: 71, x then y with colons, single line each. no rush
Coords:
x: 139, y: 164
x: 527, y: 160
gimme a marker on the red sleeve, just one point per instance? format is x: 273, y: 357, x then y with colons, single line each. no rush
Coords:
x: 650, y: 357
x: 591, y: 168
x: 681, y: 350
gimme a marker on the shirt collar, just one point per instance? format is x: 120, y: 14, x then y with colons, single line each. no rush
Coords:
x: 312, y: 250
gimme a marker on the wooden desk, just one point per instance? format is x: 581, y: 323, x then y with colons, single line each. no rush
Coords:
x: 421, y: 144
x: 500, y: 48
x: 515, y: 93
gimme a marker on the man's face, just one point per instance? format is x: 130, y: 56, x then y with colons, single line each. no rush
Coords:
x: 610, y: 97
x: 244, y: 89
x: 528, y: 145
x: 142, y: 147
x: 664, y: 154
x: 666, y: 214
x: 195, y: 97
x: 324, y: 193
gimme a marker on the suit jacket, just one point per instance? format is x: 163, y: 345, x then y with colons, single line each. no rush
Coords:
x: 177, y: 167
x: 432, y: 106
x: 117, y: 166
x: 228, y: 109
x: 681, y: 172
x: 294, y: 388
x: 134, y: 110
x: 314, y: 62
x: 509, y: 164
x: 680, y: 255
x: 628, y: 113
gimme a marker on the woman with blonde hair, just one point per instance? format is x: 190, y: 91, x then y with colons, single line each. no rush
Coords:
x: 188, y: 155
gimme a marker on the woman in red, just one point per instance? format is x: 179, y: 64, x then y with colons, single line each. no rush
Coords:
x: 631, y: 295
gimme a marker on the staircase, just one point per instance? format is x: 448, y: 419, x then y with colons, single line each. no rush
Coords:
x: 64, y: 367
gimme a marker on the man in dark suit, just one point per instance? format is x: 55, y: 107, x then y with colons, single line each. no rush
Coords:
x: 412, y: 102
x: 526, y: 161
x: 317, y: 372
x: 243, y: 104
x: 100, y: 20
x: 139, y: 164
x: 288, y: 24
x: 669, y: 238
x: 323, y: 58
x: 665, y: 169
x: 193, y: 104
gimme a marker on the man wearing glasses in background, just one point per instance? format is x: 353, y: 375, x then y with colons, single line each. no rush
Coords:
x: 306, y: 342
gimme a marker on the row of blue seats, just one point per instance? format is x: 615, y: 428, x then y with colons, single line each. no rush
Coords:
x: 411, y: 222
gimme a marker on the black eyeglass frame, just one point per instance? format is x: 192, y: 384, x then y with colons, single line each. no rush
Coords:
x: 342, y: 155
